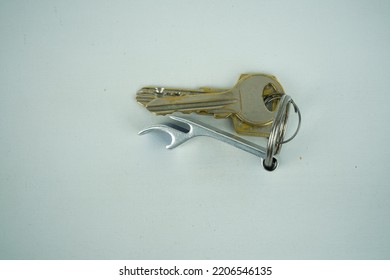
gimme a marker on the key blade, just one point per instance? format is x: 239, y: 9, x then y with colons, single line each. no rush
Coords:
x: 145, y: 95
x: 162, y: 101
x: 148, y: 94
x: 166, y: 106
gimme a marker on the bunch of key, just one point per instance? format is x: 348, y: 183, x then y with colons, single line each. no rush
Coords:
x: 256, y: 104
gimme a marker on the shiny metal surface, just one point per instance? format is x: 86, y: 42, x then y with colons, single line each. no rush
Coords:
x: 195, y: 128
x: 244, y: 103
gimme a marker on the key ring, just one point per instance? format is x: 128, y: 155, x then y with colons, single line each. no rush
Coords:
x: 278, y: 130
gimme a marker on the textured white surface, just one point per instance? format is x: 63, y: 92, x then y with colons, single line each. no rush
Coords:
x: 77, y: 182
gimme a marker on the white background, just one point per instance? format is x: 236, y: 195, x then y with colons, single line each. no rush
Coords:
x: 77, y: 182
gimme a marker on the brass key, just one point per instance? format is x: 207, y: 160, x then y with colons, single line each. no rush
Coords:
x: 250, y: 103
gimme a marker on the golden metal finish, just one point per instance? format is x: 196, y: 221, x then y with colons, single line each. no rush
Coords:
x: 246, y: 103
